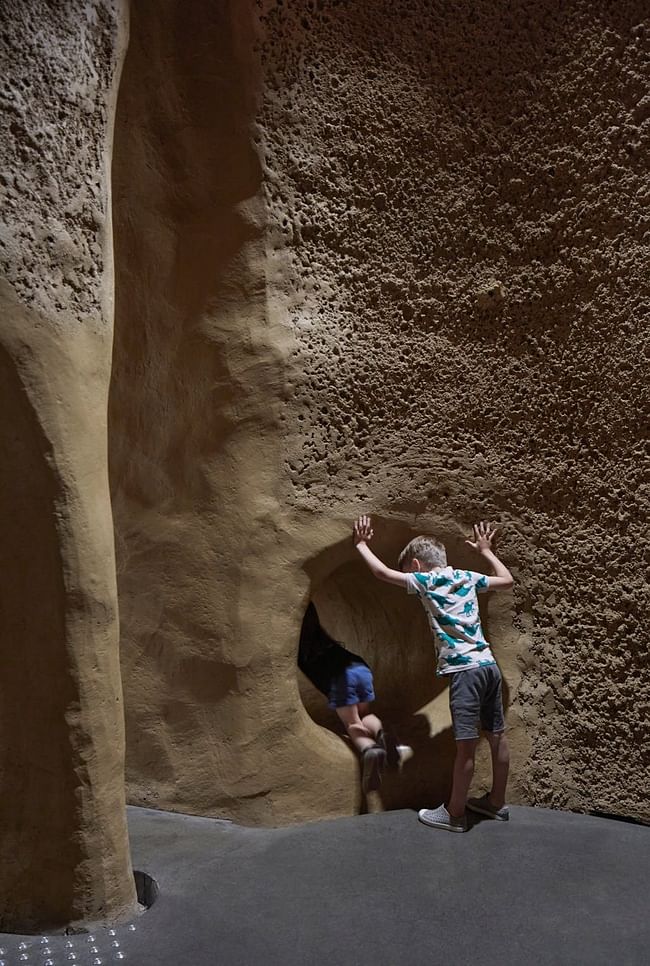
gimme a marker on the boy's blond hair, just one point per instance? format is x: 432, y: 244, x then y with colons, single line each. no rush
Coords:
x: 429, y: 551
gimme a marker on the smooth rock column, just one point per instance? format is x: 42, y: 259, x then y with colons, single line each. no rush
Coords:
x: 64, y: 856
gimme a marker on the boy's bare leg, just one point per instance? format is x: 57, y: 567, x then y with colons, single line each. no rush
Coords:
x: 500, y: 751
x: 463, y: 774
x: 360, y: 736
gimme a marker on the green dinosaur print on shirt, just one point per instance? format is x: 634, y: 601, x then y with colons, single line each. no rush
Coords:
x: 450, y: 601
x: 448, y: 620
x: 438, y: 598
x: 448, y: 640
x: 457, y: 660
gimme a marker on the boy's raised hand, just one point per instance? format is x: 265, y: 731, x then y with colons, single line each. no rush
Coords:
x: 484, y: 535
x: 363, y: 531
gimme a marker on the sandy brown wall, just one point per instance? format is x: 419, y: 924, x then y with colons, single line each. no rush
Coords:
x: 383, y: 257
x: 210, y: 594
x: 458, y: 197
x: 64, y: 855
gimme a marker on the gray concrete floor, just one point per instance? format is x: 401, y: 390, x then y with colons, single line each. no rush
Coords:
x: 380, y: 890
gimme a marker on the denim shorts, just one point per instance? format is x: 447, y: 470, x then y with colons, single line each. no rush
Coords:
x: 352, y: 686
x: 475, y: 695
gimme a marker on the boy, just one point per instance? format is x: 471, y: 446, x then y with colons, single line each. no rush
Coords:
x: 449, y: 599
x: 346, y: 680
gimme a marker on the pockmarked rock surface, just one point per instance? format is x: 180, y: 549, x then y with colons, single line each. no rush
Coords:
x: 209, y: 564
x: 458, y: 200
x: 389, y: 258
x: 64, y: 856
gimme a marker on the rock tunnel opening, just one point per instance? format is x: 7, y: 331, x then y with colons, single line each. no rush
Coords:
x: 388, y: 628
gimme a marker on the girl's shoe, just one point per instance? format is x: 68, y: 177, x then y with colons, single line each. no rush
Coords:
x: 386, y: 740
x: 372, y: 765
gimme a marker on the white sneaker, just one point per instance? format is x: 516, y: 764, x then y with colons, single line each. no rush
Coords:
x: 440, y: 818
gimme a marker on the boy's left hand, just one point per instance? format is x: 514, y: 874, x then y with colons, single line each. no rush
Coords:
x: 484, y: 534
x: 363, y: 531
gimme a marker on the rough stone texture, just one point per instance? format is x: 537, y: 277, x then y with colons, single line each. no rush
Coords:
x: 399, y: 269
x: 57, y: 69
x: 458, y: 197
x: 64, y: 854
x: 211, y: 591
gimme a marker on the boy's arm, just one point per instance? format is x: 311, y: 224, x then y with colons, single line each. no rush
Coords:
x: 362, y: 536
x: 483, y: 537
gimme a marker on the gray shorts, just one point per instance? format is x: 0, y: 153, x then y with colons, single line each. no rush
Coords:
x: 475, y: 695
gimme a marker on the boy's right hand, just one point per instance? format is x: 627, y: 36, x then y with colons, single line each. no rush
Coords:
x: 484, y: 535
x: 362, y: 536
x: 363, y: 531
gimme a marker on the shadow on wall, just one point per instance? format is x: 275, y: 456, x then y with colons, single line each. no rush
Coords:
x: 388, y: 628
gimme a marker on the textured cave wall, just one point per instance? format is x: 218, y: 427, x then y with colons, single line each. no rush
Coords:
x: 382, y: 257
x: 458, y: 199
x: 64, y: 854
x: 210, y: 585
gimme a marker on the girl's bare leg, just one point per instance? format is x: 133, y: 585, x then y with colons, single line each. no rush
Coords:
x: 360, y: 736
x: 370, y: 721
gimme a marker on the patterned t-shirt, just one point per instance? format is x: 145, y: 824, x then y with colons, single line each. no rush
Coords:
x: 449, y: 599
